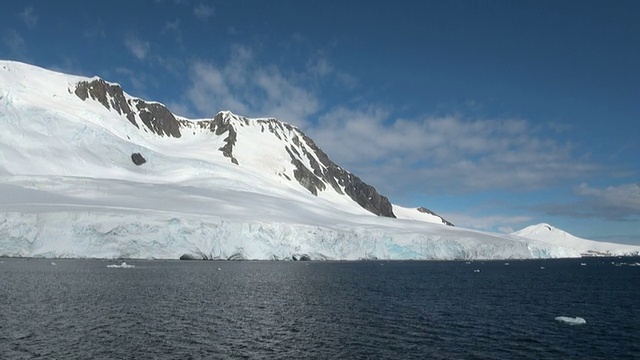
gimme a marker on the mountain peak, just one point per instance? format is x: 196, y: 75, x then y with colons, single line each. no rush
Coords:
x: 552, y: 235
x: 257, y: 142
x: 155, y: 116
x: 539, y: 228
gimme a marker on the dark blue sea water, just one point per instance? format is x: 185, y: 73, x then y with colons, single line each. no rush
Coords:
x: 80, y: 309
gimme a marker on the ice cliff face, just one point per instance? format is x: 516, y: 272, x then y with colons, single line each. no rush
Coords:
x: 145, y: 235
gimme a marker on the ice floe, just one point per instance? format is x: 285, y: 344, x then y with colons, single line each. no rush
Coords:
x: 571, y: 320
x: 124, y: 265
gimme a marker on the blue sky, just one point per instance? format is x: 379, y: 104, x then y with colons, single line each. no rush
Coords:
x: 495, y: 114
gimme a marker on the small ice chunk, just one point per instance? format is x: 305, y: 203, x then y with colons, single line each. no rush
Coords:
x: 123, y: 265
x: 476, y: 270
x: 54, y: 264
x: 571, y: 320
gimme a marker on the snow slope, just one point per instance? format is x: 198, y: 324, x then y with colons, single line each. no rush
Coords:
x: 551, y: 235
x: 224, y: 188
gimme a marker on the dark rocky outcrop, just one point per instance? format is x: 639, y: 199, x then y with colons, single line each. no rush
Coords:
x: 156, y: 117
x: 138, y: 159
x: 219, y: 125
x: 109, y: 95
x: 427, y: 211
x: 305, y: 177
x: 362, y: 193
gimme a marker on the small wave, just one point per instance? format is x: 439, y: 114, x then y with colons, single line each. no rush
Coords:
x: 571, y: 320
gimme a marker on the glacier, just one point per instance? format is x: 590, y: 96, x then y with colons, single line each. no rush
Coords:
x: 246, y: 189
x: 104, y: 234
x: 57, y: 217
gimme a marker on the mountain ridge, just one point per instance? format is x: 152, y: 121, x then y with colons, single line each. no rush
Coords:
x: 317, y: 175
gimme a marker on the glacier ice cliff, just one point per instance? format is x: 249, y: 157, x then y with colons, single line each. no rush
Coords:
x: 99, y: 234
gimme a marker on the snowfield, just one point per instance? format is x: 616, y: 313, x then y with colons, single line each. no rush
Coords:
x: 69, y: 188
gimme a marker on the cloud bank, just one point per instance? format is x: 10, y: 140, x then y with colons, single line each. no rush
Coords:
x: 449, y: 153
x: 245, y: 86
x: 425, y: 154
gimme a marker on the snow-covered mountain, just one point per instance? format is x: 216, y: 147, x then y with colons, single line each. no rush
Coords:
x: 551, y: 235
x: 86, y: 170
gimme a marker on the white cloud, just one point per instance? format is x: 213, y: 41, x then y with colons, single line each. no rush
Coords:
x: 210, y: 93
x: 622, y: 200
x: 180, y: 109
x: 138, y: 48
x: 135, y: 78
x: 626, y: 195
x: 203, y: 11
x: 15, y: 42
x: 319, y: 66
x: 451, y: 153
x: 172, y: 26
x: 246, y: 87
x: 424, y: 155
x: 29, y: 17
x: 613, y: 203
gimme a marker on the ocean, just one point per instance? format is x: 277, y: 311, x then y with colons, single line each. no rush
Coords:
x: 82, y: 309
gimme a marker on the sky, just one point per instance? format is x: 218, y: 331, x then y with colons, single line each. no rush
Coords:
x: 495, y: 114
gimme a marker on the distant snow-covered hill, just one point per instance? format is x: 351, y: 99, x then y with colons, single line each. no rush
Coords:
x: 87, y: 170
x: 551, y: 235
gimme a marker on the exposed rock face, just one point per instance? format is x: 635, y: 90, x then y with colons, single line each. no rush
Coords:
x: 220, y: 125
x: 362, y: 193
x: 158, y: 118
x: 138, y: 159
x: 109, y: 95
x: 155, y: 116
x: 427, y: 211
x: 322, y: 171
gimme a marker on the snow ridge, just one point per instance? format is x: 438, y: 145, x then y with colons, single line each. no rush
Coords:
x: 551, y: 235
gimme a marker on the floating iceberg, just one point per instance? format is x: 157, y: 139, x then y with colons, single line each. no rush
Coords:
x: 571, y: 320
x: 123, y: 265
